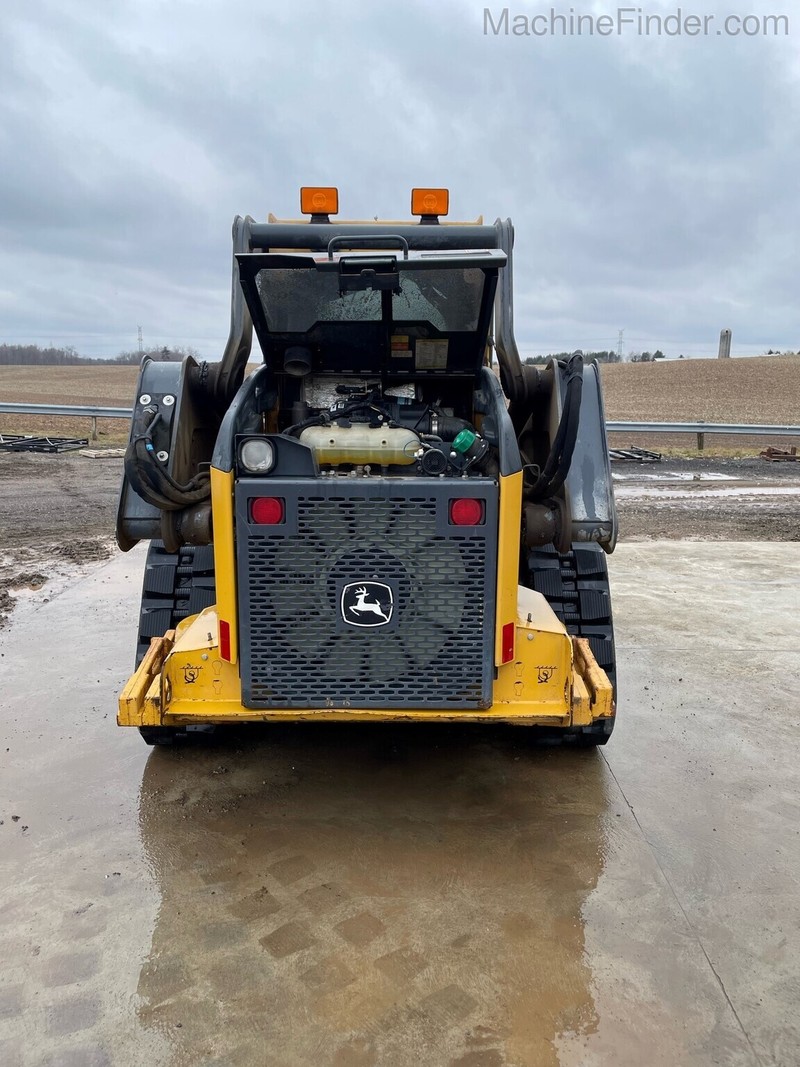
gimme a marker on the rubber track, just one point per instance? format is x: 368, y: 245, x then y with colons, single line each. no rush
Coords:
x: 575, y: 585
x: 176, y: 584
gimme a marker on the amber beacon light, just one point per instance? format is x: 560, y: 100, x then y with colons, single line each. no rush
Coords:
x: 315, y: 200
x: 428, y: 202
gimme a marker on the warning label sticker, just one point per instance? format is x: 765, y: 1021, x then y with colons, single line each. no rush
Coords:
x: 432, y: 355
x: 401, y: 348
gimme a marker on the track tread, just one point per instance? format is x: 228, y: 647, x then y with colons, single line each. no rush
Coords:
x: 160, y: 580
x: 175, y: 585
x: 575, y: 584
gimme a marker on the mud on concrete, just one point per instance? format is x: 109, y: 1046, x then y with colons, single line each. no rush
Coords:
x: 51, y: 566
x: 708, y: 500
x: 56, y: 517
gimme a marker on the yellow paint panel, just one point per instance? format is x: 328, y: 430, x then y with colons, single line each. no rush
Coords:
x: 507, y: 557
x: 225, y: 552
x: 581, y: 705
x: 140, y: 700
x: 539, y: 678
x: 194, y: 673
x: 553, y: 680
x: 599, y: 690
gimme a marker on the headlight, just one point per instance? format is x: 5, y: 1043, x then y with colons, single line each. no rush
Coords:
x: 257, y: 455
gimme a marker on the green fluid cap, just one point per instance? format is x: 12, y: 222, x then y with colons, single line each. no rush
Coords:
x: 464, y: 441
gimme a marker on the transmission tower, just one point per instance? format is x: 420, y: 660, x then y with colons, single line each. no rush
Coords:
x: 619, y: 345
x: 141, y: 342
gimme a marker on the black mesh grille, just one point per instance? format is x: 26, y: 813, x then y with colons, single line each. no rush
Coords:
x: 299, y: 653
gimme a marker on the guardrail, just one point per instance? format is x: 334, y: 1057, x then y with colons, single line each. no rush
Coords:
x: 757, y: 429
x: 89, y: 411
x: 702, y: 428
x: 65, y: 409
x: 698, y: 428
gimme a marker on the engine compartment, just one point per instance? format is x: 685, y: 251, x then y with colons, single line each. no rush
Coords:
x: 358, y: 427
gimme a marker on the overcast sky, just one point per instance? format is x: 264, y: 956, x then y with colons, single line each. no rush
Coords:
x: 653, y: 182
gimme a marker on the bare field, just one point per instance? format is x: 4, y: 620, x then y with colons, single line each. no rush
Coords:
x: 759, y: 390
x: 108, y: 386
x: 103, y: 386
x: 762, y: 390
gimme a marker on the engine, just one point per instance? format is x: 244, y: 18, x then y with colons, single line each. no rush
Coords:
x: 391, y: 430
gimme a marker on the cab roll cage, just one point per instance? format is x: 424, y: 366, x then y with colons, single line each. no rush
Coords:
x: 220, y: 381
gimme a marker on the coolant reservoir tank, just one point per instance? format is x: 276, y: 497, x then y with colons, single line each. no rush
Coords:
x: 382, y: 445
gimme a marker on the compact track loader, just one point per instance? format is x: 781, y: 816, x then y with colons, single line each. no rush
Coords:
x: 372, y: 525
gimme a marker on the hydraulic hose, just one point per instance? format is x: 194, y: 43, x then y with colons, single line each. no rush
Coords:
x: 553, y: 475
x: 151, y: 480
x: 298, y: 427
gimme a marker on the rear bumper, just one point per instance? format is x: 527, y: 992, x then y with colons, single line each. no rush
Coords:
x: 554, y: 680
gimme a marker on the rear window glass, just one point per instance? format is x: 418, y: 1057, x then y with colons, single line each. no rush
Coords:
x: 450, y: 300
x: 295, y: 300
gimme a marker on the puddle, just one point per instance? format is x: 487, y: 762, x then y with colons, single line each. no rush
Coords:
x: 724, y: 492
x: 674, y: 476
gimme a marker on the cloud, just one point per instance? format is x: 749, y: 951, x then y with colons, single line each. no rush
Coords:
x: 651, y: 180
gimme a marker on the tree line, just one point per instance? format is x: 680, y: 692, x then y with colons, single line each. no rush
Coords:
x: 606, y: 356
x: 35, y: 356
x: 590, y: 357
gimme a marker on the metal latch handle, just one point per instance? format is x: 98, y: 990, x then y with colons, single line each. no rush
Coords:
x: 377, y: 240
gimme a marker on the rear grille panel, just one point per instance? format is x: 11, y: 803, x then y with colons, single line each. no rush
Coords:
x: 437, y: 649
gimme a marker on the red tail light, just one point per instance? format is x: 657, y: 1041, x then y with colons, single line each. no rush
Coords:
x: 225, y: 640
x: 466, y: 511
x: 267, y: 510
x: 508, y: 643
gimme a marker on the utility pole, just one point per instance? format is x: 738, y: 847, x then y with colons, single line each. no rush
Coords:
x: 141, y: 342
x: 619, y: 345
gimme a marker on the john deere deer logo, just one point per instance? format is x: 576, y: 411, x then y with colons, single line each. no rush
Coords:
x: 367, y: 604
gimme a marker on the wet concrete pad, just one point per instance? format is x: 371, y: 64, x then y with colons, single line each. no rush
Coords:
x: 397, y: 896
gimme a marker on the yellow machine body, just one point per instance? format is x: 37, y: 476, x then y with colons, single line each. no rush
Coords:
x: 552, y: 679
x: 378, y: 342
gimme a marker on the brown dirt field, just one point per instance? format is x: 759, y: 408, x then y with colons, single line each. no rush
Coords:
x: 104, y: 386
x: 764, y: 389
